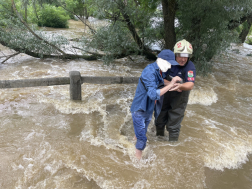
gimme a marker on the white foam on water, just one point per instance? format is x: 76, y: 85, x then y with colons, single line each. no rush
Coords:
x: 189, y: 113
x: 211, y: 123
x: 16, y: 167
x: 27, y: 159
x: 48, y: 168
x: 68, y: 106
x: 37, y: 164
x: 123, y: 144
x: 34, y: 134
x: 101, y: 181
x: 148, y: 157
x: 230, y: 155
x: 225, y: 146
x: 202, y: 96
x: 247, y: 46
x: 141, y: 184
x: 95, y: 141
x: 93, y: 101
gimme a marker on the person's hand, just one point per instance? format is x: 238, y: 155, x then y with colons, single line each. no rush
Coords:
x: 175, y: 79
x: 175, y: 87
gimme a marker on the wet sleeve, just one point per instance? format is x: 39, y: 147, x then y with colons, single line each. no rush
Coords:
x: 149, y: 79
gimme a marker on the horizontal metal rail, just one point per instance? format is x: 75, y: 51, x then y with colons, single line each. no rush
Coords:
x: 75, y: 80
x: 34, y: 82
x: 65, y: 81
x: 109, y: 80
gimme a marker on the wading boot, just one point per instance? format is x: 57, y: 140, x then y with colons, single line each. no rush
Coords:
x: 159, y: 132
x: 173, y: 136
x: 173, y: 139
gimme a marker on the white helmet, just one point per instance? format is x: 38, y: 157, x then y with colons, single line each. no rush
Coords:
x: 183, y: 49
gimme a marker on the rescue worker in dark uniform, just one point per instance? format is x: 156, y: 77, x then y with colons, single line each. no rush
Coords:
x: 176, y: 99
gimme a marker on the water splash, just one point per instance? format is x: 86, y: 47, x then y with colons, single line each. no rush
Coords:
x: 203, y: 96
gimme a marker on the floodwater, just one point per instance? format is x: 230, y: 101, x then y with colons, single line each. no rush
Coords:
x: 48, y: 141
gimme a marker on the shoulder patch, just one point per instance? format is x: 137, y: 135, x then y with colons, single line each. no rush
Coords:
x: 190, y: 79
x: 190, y: 74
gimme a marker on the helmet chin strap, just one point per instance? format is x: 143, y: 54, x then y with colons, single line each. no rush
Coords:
x: 163, y: 64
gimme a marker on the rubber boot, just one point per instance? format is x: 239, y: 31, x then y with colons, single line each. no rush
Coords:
x: 173, y: 139
x: 159, y: 132
x: 173, y: 136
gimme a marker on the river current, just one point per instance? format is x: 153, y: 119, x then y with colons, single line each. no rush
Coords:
x: 49, y: 141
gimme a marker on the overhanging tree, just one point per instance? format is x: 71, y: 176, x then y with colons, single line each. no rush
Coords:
x: 206, y: 24
x: 19, y: 36
x: 134, y: 26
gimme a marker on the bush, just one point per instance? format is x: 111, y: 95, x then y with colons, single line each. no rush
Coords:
x: 52, y: 16
x: 249, y: 40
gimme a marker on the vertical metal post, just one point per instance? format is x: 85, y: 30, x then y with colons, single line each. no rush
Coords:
x: 75, y: 85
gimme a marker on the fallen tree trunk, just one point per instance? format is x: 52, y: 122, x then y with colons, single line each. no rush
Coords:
x: 92, y: 56
x: 39, y: 55
x: 60, y: 54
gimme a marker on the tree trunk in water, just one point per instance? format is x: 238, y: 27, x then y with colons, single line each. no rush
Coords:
x: 86, y: 13
x: 39, y: 55
x: 169, y: 10
x: 245, y: 30
x: 132, y: 29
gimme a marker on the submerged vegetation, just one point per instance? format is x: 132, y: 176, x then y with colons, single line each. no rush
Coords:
x: 133, y: 27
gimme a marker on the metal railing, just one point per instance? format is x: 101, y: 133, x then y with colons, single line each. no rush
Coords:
x: 75, y: 80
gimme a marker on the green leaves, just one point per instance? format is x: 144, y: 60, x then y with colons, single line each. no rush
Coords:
x: 205, y: 24
x: 112, y: 40
x: 133, y: 26
x: 51, y: 16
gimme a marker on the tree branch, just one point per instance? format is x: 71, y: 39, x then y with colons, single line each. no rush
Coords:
x: 146, y: 51
x: 95, y: 54
x: 235, y: 23
x: 26, y: 25
x: 39, y: 55
x: 10, y: 56
x: 91, y: 29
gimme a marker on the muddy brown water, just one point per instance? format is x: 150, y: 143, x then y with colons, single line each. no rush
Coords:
x: 48, y: 141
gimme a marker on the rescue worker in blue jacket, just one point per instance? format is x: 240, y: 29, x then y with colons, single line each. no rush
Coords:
x: 147, y: 92
x: 176, y: 99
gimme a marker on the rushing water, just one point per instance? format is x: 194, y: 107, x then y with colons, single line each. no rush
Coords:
x: 48, y: 141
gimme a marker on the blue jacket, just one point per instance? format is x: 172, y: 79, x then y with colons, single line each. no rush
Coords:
x: 145, y: 98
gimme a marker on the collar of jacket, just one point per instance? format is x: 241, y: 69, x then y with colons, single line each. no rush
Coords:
x: 156, y: 66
